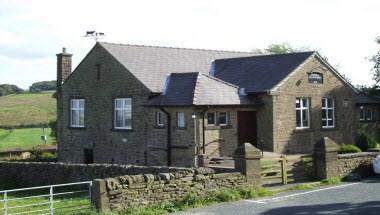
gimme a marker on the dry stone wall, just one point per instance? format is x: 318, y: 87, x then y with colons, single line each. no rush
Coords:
x: 27, y: 174
x: 358, y: 163
x: 136, y: 190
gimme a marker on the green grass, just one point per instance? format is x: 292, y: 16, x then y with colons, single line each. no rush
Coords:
x: 23, y: 138
x: 74, y: 204
x: 27, y: 109
x: 193, y: 200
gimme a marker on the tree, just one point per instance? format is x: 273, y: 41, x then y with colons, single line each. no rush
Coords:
x: 280, y: 48
x: 6, y: 89
x: 376, y: 67
x: 43, y: 86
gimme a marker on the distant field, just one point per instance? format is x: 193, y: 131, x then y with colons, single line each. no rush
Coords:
x: 24, y: 138
x: 27, y: 109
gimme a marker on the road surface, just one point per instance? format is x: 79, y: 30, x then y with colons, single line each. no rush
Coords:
x: 348, y: 198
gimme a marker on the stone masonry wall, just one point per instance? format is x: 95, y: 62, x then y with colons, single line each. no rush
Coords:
x: 358, y: 162
x: 99, y: 91
x: 286, y: 138
x: 143, y: 189
x: 27, y: 174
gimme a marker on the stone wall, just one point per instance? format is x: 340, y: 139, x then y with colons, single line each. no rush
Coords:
x: 27, y: 174
x: 135, y: 190
x: 358, y: 163
x: 286, y: 138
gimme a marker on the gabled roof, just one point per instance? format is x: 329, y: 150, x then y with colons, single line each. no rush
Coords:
x: 258, y: 73
x: 151, y: 64
x: 186, y: 89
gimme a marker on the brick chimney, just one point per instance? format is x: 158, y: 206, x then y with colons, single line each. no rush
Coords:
x: 63, y: 67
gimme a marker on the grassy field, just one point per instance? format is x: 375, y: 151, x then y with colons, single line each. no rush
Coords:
x: 27, y: 109
x: 24, y: 138
x: 73, y: 204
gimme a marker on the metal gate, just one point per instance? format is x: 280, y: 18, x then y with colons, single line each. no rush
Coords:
x: 53, y: 199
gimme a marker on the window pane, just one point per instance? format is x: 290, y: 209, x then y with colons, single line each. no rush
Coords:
x: 305, y: 102
x: 181, y: 119
x: 81, y: 103
x: 330, y: 122
x: 305, y: 118
x: 323, y: 102
x: 298, y: 103
x: 128, y: 119
x: 81, y: 118
x: 211, y: 118
x: 330, y: 113
x: 362, y: 114
x: 222, y: 118
x: 298, y: 118
x: 118, y: 103
x: 119, y: 119
x: 330, y: 102
x: 127, y: 102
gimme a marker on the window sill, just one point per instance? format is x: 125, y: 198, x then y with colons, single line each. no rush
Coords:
x: 217, y: 127
x: 159, y: 127
x: 122, y: 130
x: 77, y: 128
x: 301, y: 130
x: 367, y: 121
x: 329, y: 129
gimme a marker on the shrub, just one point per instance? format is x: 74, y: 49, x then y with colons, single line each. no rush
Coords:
x: 348, y: 148
x: 365, y: 141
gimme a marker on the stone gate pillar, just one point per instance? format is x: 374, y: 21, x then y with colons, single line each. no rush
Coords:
x: 326, y: 158
x: 247, y: 161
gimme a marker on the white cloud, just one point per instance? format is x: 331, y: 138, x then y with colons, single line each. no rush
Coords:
x: 35, y: 31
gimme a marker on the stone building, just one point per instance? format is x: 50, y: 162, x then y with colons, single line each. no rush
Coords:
x: 151, y: 105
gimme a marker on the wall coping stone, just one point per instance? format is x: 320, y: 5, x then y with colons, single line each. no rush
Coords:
x: 356, y: 155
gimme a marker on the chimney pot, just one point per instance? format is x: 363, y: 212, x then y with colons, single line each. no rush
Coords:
x: 64, y: 50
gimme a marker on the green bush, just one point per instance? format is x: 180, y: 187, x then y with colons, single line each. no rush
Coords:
x: 348, y: 148
x: 365, y: 141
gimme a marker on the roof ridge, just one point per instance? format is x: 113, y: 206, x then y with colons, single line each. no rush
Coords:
x: 220, y: 80
x: 266, y: 55
x: 171, y: 47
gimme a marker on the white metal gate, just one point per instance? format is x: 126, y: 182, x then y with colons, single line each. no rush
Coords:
x: 52, y: 199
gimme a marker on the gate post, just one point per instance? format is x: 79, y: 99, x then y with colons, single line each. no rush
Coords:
x: 326, y: 158
x: 247, y: 161
x: 100, y: 195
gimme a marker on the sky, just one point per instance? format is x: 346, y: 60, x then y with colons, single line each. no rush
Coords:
x: 33, y: 32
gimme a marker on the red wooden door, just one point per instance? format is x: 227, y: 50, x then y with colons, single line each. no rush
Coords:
x: 247, y: 127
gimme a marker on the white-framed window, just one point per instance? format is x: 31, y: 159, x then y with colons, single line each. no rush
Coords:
x: 123, y: 113
x: 77, y: 113
x: 211, y: 118
x: 181, y: 121
x: 328, y: 113
x: 223, y: 118
x: 302, y: 113
x: 367, y: 114
x: 160, y: 119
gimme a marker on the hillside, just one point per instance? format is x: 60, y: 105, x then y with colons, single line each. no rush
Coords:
x: 27, y: 109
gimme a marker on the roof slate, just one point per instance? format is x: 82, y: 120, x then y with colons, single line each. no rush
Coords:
x: 362, y: 98
x: 258, y: 73
x: 185, y: 89
x: 151, y: 64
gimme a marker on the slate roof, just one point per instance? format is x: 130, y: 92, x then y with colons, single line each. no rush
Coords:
x: 186, y: 89
x: 258, y: 73
x: 151, y: 64
x: 362, y: 98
